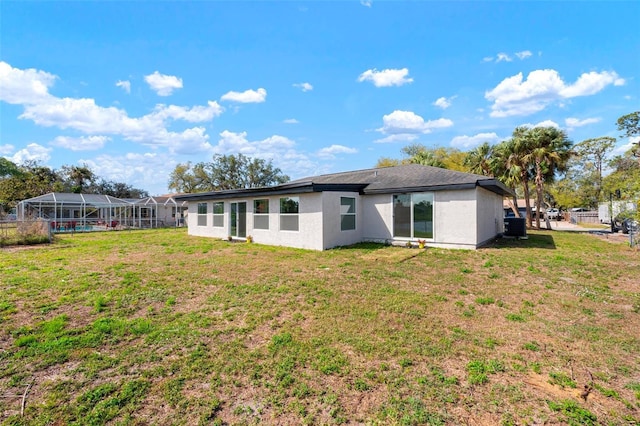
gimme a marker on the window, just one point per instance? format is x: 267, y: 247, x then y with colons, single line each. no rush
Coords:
x: 202, y: 214
x: 218, y: 214
x: 347, y: 213
x: 413, y: 215
x: 261, y: 214
x: 289, y: 209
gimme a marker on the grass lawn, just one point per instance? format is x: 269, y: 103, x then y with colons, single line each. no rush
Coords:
x: 155, y: 327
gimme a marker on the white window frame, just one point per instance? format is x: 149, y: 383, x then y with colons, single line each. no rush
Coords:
x: 202, y: 217
x: 411, y: 215
x: 344, y: 214
x: 218, y: 216
x: 289, y: 215
x: 261, y: 215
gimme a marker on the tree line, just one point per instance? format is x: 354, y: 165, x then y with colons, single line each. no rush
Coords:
x: 28, y: 180
x: 225, y: 172
x: 544, y: 163
x: 539, y: 161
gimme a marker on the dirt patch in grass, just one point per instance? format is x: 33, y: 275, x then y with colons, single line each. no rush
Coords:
x: 616, y: 237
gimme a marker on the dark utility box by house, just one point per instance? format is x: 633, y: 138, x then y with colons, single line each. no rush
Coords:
x: 515, y: 227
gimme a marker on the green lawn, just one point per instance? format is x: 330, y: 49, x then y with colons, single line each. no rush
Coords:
x: 156, y: 327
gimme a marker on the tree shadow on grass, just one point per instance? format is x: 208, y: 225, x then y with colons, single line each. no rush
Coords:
x: 539, y: 241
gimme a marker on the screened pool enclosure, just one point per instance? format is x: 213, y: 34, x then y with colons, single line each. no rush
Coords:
x: 68, y: 212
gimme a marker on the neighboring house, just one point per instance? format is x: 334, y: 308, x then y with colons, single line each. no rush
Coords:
x: 393, y: 205
x: 522, y: 207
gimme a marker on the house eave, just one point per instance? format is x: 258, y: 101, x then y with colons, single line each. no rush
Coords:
x: 490, y: 185
x: 298, y: 188
x: 421, y: 188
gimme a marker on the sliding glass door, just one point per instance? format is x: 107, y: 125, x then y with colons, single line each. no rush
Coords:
x: 413, y: 215
x: 238, y: 219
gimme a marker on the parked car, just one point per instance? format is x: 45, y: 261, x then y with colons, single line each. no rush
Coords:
x: 553, y: 213
x: 625, y: 222
x: 523, y: 212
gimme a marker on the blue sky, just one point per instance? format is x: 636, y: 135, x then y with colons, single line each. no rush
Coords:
x: 133, y: 88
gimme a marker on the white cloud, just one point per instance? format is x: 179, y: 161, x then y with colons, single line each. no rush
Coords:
x: 572, y: 123
x: 366, y: 3
x: 503, y: 57
x: 443, y: 102
x: 545, y: 123
x: 409, y: 122
x: 290, y: 121
x: 397, y: 138
x: 386, y: 78
x: 622, y: 149
x: 468, y: 142
x: 144, y: 170
x: 83, y: 143
x: 305, y: 87
x: 248, y: 96
x: 403, y: 126
x: 330, y: 152
x: 196, y: 114
x: 281, y: 150
x: 85, y: 116
x: 27, y: 86
x: 6, y: 149
x: 231, y: 142
x: 32, y: 152
x: 162, y: 84
x: 126, y: 85
x: 591, y: 83
x: 516, y: 96
x: 524, y: 54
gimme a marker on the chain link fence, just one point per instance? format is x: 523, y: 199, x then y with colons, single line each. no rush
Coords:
x: 24, y: 232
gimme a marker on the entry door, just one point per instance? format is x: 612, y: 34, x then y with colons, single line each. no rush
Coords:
x: 238, y: 219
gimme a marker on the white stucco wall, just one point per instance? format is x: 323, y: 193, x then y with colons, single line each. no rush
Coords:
x: 308, y: 236
x: 455, y: 219
x: 462, y: 219
x: 377, y: 218
x: 490, y: 215
x: 208, y: 230
x: 333, y: 235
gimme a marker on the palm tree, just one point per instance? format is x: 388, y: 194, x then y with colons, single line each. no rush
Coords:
x: 508, y: 166
x: 478, y: 160
x: 426, y: 158
x: 549, y: 151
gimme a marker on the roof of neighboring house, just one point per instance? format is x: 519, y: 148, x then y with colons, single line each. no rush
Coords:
x: 404, y: 178
x: 522, y: 203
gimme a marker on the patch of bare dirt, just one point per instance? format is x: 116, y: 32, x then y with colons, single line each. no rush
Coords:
x: 618, y: 237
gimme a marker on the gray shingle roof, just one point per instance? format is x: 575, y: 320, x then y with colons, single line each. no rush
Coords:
x: 405, y: 178
x: 399, y: 177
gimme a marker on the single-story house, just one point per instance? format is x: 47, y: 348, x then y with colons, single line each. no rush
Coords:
x: 395, y: 205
